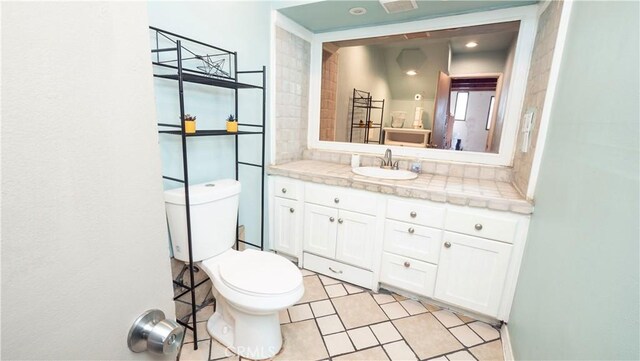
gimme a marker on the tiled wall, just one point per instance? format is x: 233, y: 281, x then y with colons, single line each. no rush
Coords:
x: 292, y: 95
x: 537, y: 89
x: 328, y: 95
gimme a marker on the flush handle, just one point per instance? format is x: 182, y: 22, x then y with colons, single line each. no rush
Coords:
x: 478, y: 227
x: 411, y: 230
x: 413, y: 214
x: 407, y: 264
x: 284, y: 190
x: 291, y: 210
x: 336, y: 200
x: 154, y: 333
x: 447, y: 244
x: 331, y: 219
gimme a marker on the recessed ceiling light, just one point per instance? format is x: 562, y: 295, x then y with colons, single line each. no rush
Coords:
x: 357, y: 11
x: 411, y: 72
x: 471, y: 44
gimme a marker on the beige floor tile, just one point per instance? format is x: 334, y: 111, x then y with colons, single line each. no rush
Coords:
x: 398, y: 297
x: 313, y: 290
x: 338, y: 343
x: 203, y: 334
x: 329, y: 324
x: 383, y: 298
x: 448, y: 318
x: 441, y: 358
x: 465, y: 335
x: 439, y: 341
x: 362, y: 337
x: 430, y: 307
x: 358, y: 310
x: 413, y: 307
x: 204, y: 314
x: 322, y: 308
x: 300, y: 312
x: 465, y: 319
x: 328, y: 280
x: 187, y: 353
x: 394, y: 310
x: 218, y: 351
x: 460, y: 356
x: 485, y: 331
x: 488, y: 351
x: 284, y: 317
x: 385, y: 332
x: 306, y: 272
x: 372, y: 354
x: 335, y: 290
x: 302, y: 341
x: 399, y: 351
x: 351, y: 289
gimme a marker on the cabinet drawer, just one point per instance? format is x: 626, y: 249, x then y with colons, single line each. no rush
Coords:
x: 338, y: 270
x: 408, y: 274
x: 341, y: 198
x: 492, y: 227
x: 287, y: 188
x: 414, y: 212
x: 406, y: 239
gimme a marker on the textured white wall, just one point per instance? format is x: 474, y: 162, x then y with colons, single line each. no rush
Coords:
x: 84, y: 249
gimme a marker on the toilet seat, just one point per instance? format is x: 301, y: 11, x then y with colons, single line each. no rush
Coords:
x: 258, y: 273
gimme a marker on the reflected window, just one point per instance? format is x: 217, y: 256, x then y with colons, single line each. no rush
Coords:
x: 460, y: 112
x: 490, y: 115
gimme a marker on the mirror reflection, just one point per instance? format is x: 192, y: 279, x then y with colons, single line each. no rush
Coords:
x: 442, y: 89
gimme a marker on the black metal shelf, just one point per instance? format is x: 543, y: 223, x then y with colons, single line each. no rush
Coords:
x: 363, y: 100
x: 205, y: 80
x: 185, y: 64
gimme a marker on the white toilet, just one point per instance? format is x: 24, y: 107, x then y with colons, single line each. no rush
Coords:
x: 250, y: 287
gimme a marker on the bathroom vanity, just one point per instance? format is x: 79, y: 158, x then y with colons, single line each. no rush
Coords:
x: 428, y: 237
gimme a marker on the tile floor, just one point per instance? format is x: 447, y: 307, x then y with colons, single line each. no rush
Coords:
x: 338, y: 321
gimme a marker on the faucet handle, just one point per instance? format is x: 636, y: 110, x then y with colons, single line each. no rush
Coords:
x: 395, y: 165
x: 382, y: 162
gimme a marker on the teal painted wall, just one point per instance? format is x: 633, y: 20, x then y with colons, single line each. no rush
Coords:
x: 577, y: 295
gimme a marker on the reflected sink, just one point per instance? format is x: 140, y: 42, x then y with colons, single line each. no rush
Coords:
x: 377, y: 172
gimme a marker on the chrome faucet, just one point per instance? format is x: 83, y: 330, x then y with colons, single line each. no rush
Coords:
x: 387, y: 161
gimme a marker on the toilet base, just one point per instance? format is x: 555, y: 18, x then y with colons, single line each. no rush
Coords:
x: 252, y: 336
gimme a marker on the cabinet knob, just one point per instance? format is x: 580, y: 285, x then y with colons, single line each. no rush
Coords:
x: 478, y: 227
x: 284, y: 190
x: 291, y: 210
x: 340, y: 220
x: 447, y: 244
x: 411, y: 230
x: 413, y: 214
x: 336, y: 200
x: 407, y: 264
x: 331, y: 219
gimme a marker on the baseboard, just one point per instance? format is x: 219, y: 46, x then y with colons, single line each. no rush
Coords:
x: 506, y: 343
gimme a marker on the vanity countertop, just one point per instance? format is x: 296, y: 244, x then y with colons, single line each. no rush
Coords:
x: 478, y: 193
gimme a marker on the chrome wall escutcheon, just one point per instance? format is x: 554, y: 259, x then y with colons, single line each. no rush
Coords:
x: 154, y: 333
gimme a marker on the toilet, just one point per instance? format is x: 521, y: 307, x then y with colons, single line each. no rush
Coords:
x: 250, y: 287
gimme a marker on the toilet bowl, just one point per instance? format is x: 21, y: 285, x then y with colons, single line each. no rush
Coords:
x: 250, y: 287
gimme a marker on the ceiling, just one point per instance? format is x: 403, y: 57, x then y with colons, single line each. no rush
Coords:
x: 332, y: 15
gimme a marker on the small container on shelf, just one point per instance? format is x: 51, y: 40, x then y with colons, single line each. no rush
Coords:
x: 189, y: 124
x: 232, y: 124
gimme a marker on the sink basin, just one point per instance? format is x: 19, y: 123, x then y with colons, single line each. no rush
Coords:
x: 377, y: 172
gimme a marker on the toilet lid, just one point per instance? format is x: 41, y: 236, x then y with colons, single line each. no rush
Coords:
x: 261, y: 273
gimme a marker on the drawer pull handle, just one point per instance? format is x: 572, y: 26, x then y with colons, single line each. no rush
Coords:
x: 411, y: 230
x: 284, y: 190
x: 334, y: 271
x: 478, y: 227
x: 291, y: 210
x: 340, y: 220
x: 336, y: 200
x: 331, y: 219
x: 413, y: 214
x: 447, y: 244
x: 407, y: 264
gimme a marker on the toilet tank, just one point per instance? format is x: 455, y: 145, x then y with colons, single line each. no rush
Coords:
x: 214, y: 211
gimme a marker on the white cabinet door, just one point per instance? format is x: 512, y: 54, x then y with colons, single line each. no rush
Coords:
x: 320, y: 227
x: 471, y: 272
x: 286, y: 226
x: 355, y: 241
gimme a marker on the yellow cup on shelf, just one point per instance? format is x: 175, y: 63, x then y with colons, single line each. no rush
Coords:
x: 232, y: 127
x: 189, y: 126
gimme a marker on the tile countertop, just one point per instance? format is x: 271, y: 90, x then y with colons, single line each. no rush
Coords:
x: 477, y: 193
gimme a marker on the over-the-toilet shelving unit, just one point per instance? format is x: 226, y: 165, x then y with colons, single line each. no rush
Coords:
x: 363, y: 102
x: 215, y: 67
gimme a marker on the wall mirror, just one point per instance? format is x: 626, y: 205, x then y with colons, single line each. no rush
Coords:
x: 444, y: 89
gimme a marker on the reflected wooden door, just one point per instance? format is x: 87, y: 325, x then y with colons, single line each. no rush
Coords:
x: 441, y: 112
